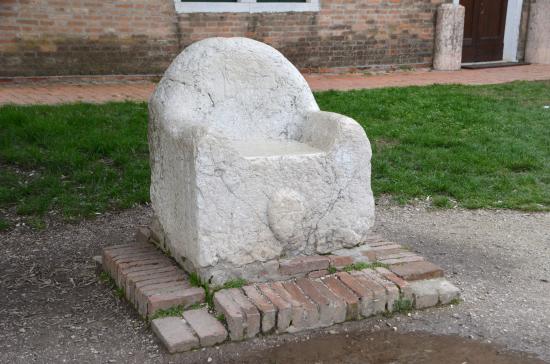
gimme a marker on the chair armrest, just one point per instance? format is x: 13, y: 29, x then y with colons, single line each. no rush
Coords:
x: 330, y: 131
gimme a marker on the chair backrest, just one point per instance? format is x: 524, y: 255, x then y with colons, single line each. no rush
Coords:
x: 237, y: 87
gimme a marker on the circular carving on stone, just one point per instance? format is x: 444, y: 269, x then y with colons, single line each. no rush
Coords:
x: 285, y: 215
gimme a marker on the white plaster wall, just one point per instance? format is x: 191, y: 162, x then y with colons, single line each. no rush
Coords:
x: 244, y: 6
x: 511, y: 32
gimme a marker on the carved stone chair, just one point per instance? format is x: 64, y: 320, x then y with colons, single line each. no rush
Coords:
x: 246, y: 169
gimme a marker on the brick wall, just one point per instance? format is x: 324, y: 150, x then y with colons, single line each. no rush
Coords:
x: 344, y: 33
x: 55, y: 37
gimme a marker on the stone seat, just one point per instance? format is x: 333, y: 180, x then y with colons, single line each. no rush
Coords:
x: 268, y: 148
x: 246, y: 169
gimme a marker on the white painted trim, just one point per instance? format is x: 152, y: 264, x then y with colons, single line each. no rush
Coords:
x: 245, y: 6
x: 511, y: 31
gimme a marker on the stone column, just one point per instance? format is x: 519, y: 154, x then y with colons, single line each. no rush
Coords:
x: 449, y: 34
x: 538, y: 37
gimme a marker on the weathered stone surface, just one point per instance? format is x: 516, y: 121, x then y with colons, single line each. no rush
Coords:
x: 266, y: 308
x: 340, y: 261
x: 374, y: 239
x: 381, y: 254
x: 537, y: 49
x: 356, y: 253
x: 124, y: 265
x: 392, y: 291
x: 404, y: 286
x: 284, y: 308
x: 425, y: 293
x: 403, y: 259
x: 375, y: 242
x: 301, y: 317
x: 326, y: 310
x: 353, y: 311
x: 150, y: 280
x: 143, y: 295
x: 430, y: 292
x: 175, y: 334
x: 111, y: 253
x: 130, y: 279
x: 209, y: 330
x: 251, y: 314
x: 303, y: 264
x: 245, y: 168
x: 224, y: 304
x: 318, y: 273
x: 373, y: 252
x: 449, y: 33
x: 154, y: 280
x: 417, y: 271
x: 359, y: 285
x: 310, y: 310
x: 377, y: 301
x: 447, y: 292
x: 180, y: 297
x: 142, y: 235
x: 337, y: 304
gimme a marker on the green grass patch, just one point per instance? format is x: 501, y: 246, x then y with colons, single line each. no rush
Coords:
x: 195, y: 280
x: 4, y: 225
x: 221, y: 318
x: 175, y: 311
x: 210, y: 289
x: 475, y: 146
x: 401, y: 306
x: 235, y: 283
x: 105, y: 278
x: 455, y: 301
x: 481, y: 146
x: 73, y: 160
x: 441, y: 202
x: 363, y: 265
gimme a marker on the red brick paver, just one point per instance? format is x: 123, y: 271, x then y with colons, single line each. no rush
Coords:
x: 57, y: 93
x: 532, y: 72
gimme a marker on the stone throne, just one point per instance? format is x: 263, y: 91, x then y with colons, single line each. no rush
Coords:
x: 246, y: 170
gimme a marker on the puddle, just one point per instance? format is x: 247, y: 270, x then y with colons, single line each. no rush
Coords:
x: 387, y: 347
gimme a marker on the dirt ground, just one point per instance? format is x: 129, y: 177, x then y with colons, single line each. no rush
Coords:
x: 54, y: 310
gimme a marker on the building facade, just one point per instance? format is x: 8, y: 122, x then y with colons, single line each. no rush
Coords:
x: 91, y: 37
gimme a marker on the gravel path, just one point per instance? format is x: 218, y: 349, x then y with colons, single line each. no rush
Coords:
x: 52, y: 308
x: 501, y: 262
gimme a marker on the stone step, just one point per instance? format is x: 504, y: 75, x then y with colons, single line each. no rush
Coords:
x: 209, y: 330
x: 197, y: 328
x: 175, y: 334
x: 150, y: 280
x: 267, y: 310
x: 431, y: 292
x: 415, y: 271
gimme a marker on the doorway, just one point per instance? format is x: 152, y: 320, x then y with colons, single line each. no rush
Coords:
x: 484, y: 27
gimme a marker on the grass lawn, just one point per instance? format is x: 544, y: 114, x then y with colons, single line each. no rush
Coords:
x: 479, y: 146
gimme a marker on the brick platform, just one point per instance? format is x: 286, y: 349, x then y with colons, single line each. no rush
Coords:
x: 376, y: 278
x: 150, y: 280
